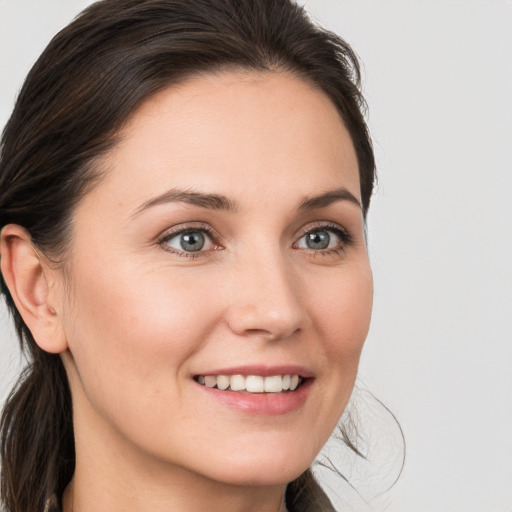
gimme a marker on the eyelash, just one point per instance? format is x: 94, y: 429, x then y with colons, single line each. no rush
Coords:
x: 345, y: 237
x: 203, y: 228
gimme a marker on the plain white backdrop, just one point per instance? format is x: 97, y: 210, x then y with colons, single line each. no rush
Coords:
x: 438, y: 80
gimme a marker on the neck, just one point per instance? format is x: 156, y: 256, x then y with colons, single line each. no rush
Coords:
x: 80, y: 497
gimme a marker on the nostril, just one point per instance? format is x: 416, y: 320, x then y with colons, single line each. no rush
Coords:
x: 270, y: 335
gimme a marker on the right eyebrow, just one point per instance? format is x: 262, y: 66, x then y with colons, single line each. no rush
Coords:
x: 210, y: 201
x: 329, y: 197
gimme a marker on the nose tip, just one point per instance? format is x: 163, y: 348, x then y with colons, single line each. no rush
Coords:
x: 267, y: 304
x: 265, y: 321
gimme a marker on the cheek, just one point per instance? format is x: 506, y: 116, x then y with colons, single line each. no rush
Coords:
x: 343, y: 319
x: 131, y: 340
x: 344, y: 314
x: 131, y: 333
x: 133, y: 310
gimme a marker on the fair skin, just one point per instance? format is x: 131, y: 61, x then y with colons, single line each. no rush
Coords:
x: 275, y: 280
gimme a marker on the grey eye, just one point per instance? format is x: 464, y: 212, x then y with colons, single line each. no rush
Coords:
x: 190, y: 241
x: 319, y: 240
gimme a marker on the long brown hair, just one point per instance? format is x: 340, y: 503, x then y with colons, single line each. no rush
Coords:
x: 81, y: 90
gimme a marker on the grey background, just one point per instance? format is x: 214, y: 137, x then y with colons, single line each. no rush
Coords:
x: 438, y: 79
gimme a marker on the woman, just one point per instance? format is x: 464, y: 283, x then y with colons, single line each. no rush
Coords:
x: 183, y: 192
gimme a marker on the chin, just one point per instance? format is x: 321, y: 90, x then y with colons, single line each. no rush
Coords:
x: 262, y: 477
x: 270, y: 469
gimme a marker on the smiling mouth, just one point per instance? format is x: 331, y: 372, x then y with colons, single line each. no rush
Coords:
x: 251, y: 383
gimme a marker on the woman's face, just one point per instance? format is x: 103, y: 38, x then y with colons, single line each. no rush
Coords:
x: 224, y: 246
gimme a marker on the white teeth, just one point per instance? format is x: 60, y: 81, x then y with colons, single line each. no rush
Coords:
x: 273, y: 384
x: 251, y: 383
x: 210, y: 381
x: 254, y: 384
x: 222, y: 382
x: 237, y: 383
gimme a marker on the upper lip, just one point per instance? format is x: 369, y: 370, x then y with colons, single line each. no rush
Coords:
x: 262, y: 370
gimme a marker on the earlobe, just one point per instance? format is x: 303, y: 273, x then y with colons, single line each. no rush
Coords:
x: 23, y: 270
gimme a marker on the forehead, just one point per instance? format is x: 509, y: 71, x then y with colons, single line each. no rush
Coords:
x: 235, y: 131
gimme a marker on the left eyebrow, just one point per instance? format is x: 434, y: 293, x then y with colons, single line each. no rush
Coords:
x: 209, y: 201
x: 327, y: 198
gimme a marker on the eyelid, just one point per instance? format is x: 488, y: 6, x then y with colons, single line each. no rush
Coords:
x: 319, y: 225
x: 189, y: 228
x: 183, y: 228
x: 345, y: 236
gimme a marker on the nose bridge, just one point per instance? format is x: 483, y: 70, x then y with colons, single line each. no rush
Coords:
x: 266, y: 299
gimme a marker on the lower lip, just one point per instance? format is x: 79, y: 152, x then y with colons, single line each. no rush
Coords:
x: 262, y: 404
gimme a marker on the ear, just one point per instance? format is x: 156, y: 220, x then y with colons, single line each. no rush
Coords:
x: 26, y: 276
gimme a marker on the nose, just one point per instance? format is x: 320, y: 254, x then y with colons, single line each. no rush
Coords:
x: 265, y: 299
